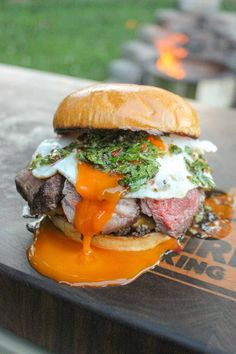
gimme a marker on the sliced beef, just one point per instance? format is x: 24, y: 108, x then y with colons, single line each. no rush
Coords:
x: 42, y: 195
x: 70, y: 200
x: 173, y: 216
x: 125, y: 214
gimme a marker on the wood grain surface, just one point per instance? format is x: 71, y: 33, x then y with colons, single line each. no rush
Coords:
x: 154, y: 314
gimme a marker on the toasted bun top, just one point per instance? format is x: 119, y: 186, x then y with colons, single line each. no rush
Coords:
x: 124, y: 106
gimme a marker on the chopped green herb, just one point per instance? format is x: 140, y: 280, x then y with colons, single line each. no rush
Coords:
x: 129, y: 154
x: 198, y: 167
x: 54, y: 156
x: 188, y: 150
x: 174, y: 149
x: 126, y: 153
x: 207, y: 208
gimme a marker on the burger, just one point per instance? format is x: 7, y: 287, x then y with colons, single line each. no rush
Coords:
x: 118, y: 185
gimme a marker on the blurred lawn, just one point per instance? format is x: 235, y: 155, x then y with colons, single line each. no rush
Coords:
x: 76, y: 38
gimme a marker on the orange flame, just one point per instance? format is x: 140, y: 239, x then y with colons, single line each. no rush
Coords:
x: 171, y: 55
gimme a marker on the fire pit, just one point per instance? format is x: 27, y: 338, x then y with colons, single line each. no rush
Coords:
x: 203, y: 80
x: 185, y: 53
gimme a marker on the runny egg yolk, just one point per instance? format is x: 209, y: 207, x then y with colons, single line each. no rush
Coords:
x: 99, y: 198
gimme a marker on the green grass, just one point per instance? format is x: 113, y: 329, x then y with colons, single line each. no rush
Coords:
x: 71, y: 37
x: 229, y: 5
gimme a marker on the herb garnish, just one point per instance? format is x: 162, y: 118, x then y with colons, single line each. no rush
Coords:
x: 127, y: 153
x: 188, y: 150
x: 198, y: 167
x: 54, y: 156
x: 130, y: 154
x: 174, y: 149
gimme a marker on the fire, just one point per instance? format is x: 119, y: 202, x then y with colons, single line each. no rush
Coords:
x: 172, y: 54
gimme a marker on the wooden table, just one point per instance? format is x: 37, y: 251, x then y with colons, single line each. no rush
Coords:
x: 155, y: 314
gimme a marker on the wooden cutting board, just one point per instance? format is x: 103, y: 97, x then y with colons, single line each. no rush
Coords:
x: 179, y: 308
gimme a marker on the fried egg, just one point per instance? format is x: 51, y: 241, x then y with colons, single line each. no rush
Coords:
x: 171, y: 181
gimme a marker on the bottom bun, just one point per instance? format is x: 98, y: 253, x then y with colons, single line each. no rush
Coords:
x: 116, y: 243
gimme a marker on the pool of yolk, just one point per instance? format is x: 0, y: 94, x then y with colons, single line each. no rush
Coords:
x: 62, y: 259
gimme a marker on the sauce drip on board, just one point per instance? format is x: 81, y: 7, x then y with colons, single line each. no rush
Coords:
x: 217, y: 222
x: 62, y: 259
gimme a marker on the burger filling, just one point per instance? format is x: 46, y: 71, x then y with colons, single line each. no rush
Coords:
x: 161, y: 181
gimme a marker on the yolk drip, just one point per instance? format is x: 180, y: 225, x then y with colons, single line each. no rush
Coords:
x: 63, y: 260
x: 99, y: 198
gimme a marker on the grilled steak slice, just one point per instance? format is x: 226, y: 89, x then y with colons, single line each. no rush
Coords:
x: 42, y: 195
x: 173, y: 216
x: 125, y: 214
x: 70, y: 200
